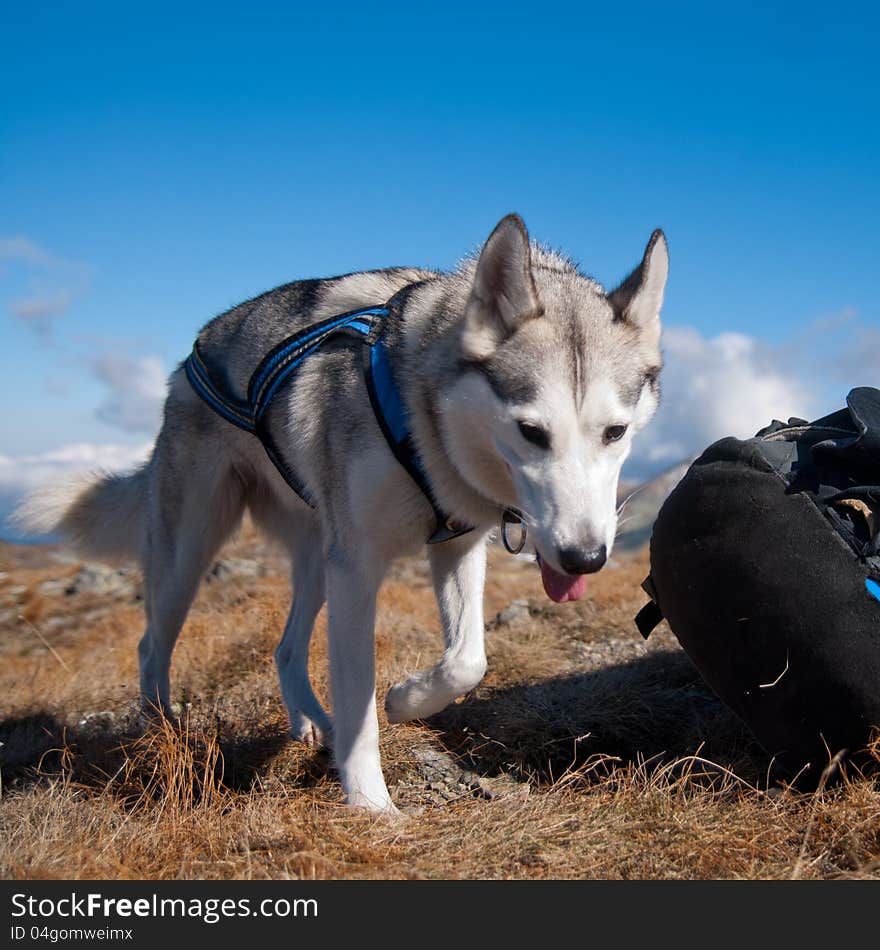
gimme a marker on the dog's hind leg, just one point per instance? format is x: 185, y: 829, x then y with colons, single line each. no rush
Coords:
x: 308, y: 721
x: 458, y: 568
x: 193, y: 509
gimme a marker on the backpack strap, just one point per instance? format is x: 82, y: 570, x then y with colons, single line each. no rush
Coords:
x: 650, y: 615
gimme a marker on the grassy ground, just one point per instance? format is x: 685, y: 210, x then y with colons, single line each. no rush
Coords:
x: 586, y: 753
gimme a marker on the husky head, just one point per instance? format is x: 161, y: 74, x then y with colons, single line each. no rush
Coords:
x: 559, y: 375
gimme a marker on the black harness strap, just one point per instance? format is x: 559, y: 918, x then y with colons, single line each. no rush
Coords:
x: 277, y: 366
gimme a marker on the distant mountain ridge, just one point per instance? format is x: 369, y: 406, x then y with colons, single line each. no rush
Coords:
x: 644, y: 502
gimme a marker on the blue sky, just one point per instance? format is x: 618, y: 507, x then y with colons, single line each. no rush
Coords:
x: 158, y: 166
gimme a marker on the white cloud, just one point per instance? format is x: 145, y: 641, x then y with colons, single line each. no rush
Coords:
x: 730, y: 384
x: 24, y: 250
x: 137, y: 391
x: 52, y: 282
x: 40, y: 311
x: 20, y: 473
x: 857, y: 358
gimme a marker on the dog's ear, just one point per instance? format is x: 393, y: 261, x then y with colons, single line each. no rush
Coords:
x: 503, y: 295
x: 639, y: 298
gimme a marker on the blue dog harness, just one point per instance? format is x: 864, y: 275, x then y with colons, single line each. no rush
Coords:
x: 279, y: 364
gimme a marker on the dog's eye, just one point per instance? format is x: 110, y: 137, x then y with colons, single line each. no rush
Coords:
x: 613, y: 434
x: 534, y: 434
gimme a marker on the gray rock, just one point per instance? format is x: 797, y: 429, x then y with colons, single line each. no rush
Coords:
x: 434, y: 764
x: 54, y: 588
x: 100, y: 579
x: 97, y: 723
x: 228, y: 567
x: 501, y: 786
x: 516, y: 611
x: 445, y: 780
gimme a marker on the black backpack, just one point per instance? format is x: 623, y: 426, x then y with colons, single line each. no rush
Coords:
x: 765, y: 560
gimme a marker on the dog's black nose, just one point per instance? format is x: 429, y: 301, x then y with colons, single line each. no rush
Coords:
x: 578, y: 561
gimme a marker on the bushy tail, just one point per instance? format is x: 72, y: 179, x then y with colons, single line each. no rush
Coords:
x: 102, y: 515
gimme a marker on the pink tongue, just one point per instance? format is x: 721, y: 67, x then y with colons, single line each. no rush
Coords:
x: 562, y: 587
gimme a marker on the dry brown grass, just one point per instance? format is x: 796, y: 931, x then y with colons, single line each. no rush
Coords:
x: 587, y: 753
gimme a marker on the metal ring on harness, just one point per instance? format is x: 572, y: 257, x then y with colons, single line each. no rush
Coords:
x: 508, y: 518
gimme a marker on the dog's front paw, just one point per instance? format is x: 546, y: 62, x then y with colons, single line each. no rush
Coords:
x: 310, y: 733
x: 417, y: 698
x: 427, y: 693
x: 152, y: 714
x: 379, y: 803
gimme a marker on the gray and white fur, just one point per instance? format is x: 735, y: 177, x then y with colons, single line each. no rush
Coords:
x: 524, y: 381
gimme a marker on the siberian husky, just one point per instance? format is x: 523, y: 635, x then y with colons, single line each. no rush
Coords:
x: 522, y: 383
